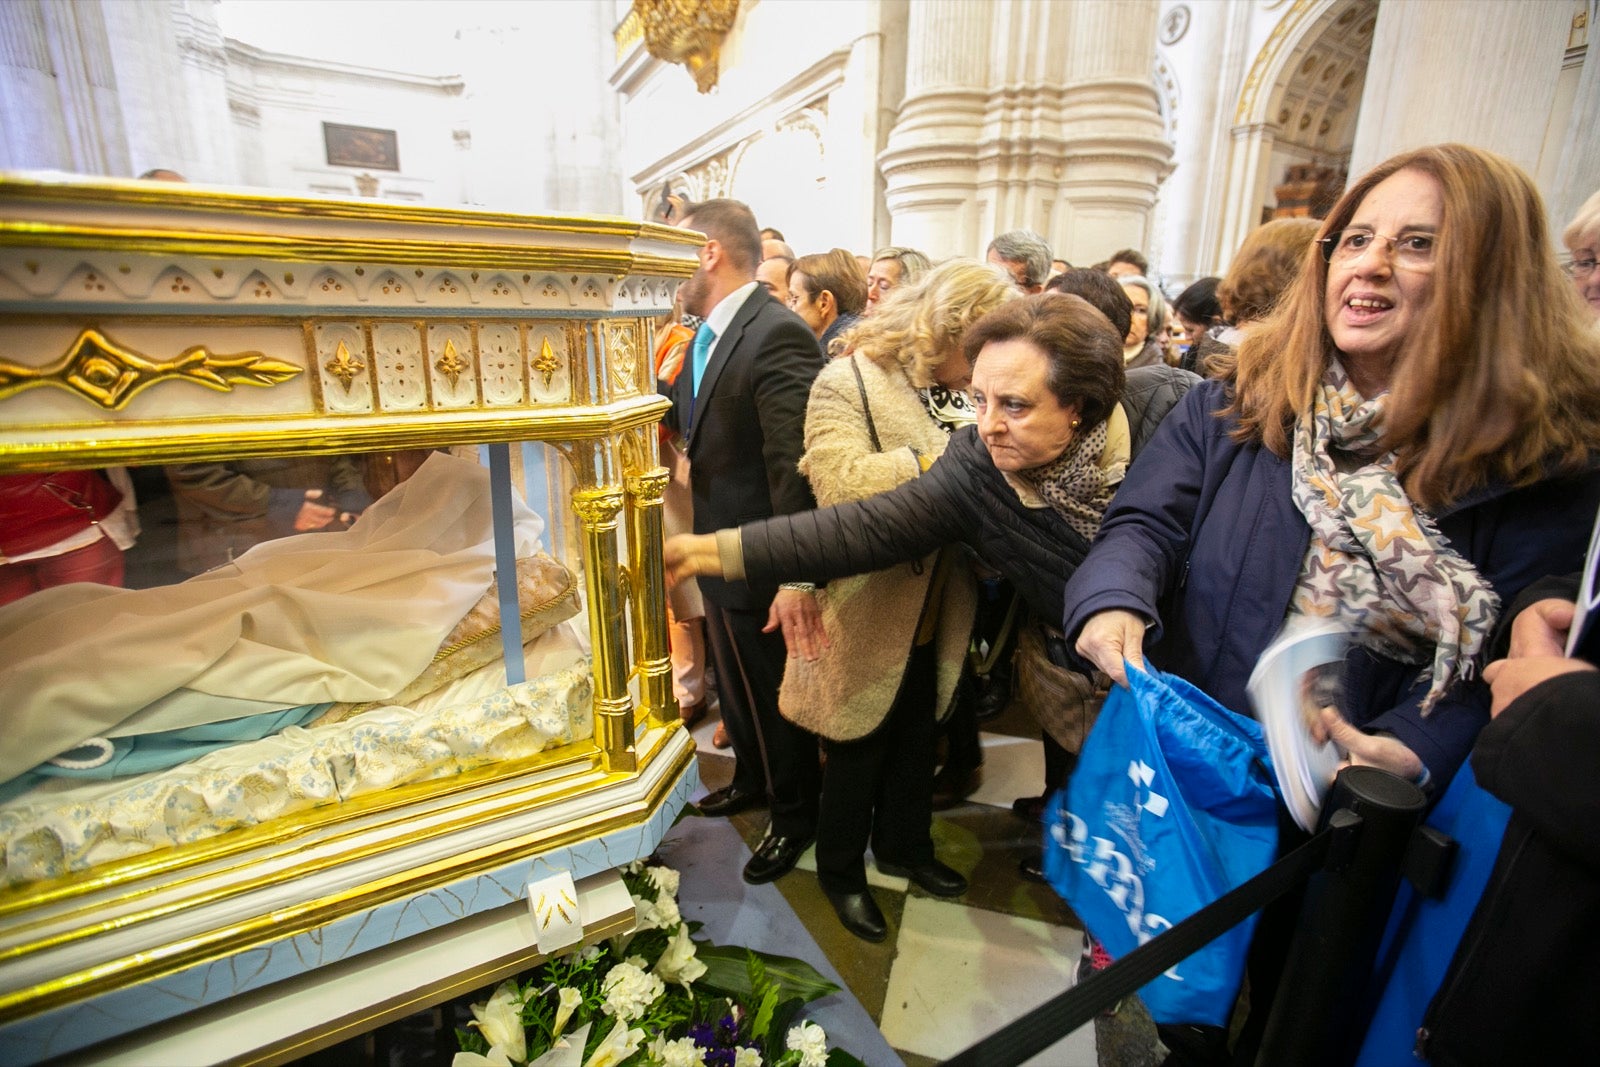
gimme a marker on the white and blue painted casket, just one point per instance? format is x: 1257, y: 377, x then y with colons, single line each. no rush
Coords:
x: 380, y: 854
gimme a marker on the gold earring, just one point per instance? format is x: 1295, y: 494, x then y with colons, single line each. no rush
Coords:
x: 1076, y: 423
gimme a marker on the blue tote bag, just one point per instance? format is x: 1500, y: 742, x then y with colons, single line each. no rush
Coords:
x: 1170, y: 806
x: 1422, y: 935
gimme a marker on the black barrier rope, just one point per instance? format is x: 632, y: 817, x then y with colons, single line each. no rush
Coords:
x: 1049, y: 1022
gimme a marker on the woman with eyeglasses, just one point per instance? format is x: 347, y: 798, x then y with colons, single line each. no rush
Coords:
x: 1409, y: 439
x: 1582, y: 238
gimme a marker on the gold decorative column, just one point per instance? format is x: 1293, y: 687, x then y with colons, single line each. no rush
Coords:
x: 597, y: 510
x: 651, y: 654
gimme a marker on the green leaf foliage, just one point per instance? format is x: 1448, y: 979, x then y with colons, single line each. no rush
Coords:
x: 728, y: 971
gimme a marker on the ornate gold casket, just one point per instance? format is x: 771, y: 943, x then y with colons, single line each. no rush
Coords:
x: 151, y: 323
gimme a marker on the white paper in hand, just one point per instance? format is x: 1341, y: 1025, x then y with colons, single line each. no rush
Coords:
x: 1584, y: 610
x: 1299, y: 674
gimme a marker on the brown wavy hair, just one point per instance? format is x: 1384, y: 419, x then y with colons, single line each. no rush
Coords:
x: 1264, y: 267
x: 1499, y: 378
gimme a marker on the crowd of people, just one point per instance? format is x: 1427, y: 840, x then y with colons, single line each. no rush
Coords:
x: 908, y: 489
x: 1389, y: 417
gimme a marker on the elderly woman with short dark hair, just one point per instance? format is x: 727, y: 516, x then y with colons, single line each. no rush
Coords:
x: 1024, y: 488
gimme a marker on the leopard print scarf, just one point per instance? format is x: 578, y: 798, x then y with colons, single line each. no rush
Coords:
x: 1075, y: 485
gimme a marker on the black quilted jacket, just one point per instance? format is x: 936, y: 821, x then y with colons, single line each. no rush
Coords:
x: 962, y: 498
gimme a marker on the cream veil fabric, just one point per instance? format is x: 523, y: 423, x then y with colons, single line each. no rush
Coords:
x: 346, y: 616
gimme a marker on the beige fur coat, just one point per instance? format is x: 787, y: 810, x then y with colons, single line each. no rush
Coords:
x: 871, y: 619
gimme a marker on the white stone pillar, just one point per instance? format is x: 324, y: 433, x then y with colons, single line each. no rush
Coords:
x: 853, y: 134
x: 1210, y: 60
x: 1248, y: 179
x: 33, y: 128
x: 545, y: 134
x: 1027, y: 114
x: 1577, y: 170
x: 1483, y: 73
x: 1117, y: 151
x: 930, y: 162
x: 59, y: 105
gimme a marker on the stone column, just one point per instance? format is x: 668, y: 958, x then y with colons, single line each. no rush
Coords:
x: 1577, y: 170
x: 1431, y: 59
x: 930, y: 162
x: 1211, y: 57
x: 59, y: 107
x: 1116, y: 148
x: 1027, y: 114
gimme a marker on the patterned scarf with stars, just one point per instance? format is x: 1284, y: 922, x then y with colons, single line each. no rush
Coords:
x: 1376, y: 559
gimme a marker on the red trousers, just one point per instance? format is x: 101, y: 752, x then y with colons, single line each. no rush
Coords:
x: 98, y: 562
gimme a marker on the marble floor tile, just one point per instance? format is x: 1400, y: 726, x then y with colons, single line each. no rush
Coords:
x: 1012, y: 767
x: 962, y: 972
x: 875, y: 877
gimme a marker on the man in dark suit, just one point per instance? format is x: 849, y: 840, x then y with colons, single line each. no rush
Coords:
x: 740, y: 410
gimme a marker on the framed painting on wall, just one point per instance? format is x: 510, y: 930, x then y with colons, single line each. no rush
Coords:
x: 361, y: 146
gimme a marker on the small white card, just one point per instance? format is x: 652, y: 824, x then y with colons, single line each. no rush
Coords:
x: 1587, y: 608
x: 557, y: 918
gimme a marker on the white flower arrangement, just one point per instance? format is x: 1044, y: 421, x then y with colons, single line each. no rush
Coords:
x: 653, y: 998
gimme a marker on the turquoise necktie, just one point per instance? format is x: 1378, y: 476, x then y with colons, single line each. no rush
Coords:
x: 701, y: 353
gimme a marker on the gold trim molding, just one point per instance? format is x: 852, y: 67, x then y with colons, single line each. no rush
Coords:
x: 76, y: 192
x: 109, y: 374
x: 301, y: 917
x: 294, y: 248
x: 203, y: 442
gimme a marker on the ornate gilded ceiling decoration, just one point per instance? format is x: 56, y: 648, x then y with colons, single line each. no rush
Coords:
x: 106, y: 373
x: 689, y: 32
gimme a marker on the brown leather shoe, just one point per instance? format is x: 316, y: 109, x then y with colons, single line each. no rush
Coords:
x: 720, y: 738
x: 691, y: 715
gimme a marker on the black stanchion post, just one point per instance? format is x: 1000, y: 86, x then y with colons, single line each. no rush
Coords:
x: 1314, y: 1018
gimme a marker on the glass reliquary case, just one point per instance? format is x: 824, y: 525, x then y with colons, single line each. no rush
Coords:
x: 333, y: 617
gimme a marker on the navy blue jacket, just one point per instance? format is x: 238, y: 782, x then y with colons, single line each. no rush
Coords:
x: 1205, y: 539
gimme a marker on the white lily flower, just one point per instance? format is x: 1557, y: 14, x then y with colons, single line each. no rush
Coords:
x: 567, y: 1003
x: 566, y: 1051
x: 495, y: 1058
x: 500, y: 1021
x: 666, y: 881
x: 616, y: 1046
x: 679, y: 962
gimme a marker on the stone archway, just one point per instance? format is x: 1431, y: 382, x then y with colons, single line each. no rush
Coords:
x: 781, y: 173
x: 1298, y: 108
